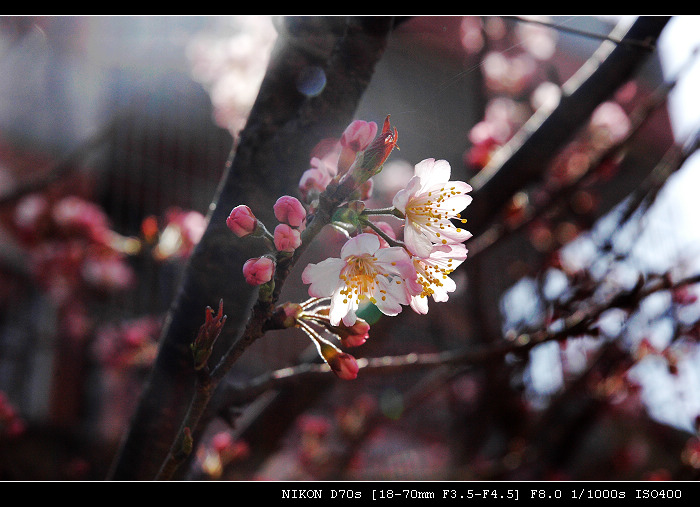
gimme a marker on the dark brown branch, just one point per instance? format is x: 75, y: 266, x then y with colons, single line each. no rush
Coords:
x: 524, y: 159
x: 272, y: 152
x: 501, y: 229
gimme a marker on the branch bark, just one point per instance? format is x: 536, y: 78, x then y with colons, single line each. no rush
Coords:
x: 524, y: 159
x: 273, y: 150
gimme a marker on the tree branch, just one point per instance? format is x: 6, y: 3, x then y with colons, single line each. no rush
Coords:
x: 524, y: 159
x: 272, y: 152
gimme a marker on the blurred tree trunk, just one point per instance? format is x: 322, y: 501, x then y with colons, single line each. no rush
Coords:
x: 272, y: 152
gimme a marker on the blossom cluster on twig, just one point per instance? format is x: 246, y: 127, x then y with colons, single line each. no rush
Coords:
x: 374, y: 268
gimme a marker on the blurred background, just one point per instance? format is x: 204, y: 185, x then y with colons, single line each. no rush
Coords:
x: 114, y: 134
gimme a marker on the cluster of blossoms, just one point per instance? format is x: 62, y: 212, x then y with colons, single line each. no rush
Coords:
x: 374, y: 267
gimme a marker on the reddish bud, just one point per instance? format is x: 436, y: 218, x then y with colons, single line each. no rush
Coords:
x: 242, y: 221
x: 289, y: 210
x: 344, y: 366
x: 258, y: 270
x: 378, y: 151
x: 207, y: 335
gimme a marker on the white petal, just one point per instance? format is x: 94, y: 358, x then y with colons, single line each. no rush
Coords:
x: 324, y: 277
x: 403, y: 196
x: 349, y: 319
x: 341, y: 307
x: 392, y: 300
x: 454, y: 235
x: 361, y: 244
x: 393, y: 260
x: 419, y: 304
x: 433, y: 172
x: 416, y: 241
x: 440, y: 293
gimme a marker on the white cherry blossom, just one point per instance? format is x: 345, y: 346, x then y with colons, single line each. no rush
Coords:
x: 433, y: 274
x: 429, y: 203
x: 365, y: 272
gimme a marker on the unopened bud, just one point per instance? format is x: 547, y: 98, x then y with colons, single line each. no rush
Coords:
x: 259, y: 270
x: 373, y: 158
x: 357, y: 136
x: 289, y: 210
x: 242, y: 221
x: 287, y: 238
x: 341, y: 363
x: 207, y: 335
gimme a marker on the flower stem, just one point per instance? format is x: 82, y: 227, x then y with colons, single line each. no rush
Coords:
x: 384, y: 211
x: 391, y: 241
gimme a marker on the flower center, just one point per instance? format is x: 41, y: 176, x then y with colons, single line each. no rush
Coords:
x: 360, y: 277
x: 431, y: 275
x: 430, y: 210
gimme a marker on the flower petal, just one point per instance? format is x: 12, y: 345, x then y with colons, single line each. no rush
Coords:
x: 324, y: 277
x: 403, y: 196
x: 433, y: 172
x: 419, y: 304
x: 416, y: 240
x: 361, y: 244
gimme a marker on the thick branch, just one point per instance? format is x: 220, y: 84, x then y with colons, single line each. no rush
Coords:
x: 525, y: 158
x: 273, y: 150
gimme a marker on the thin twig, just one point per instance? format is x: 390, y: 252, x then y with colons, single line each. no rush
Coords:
x: 576, y: 324
x: 643, y: 44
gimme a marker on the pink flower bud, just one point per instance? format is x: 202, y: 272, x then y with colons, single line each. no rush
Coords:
x: 344, y: 366
x: 242, y: 221
x: 357, y: 136
x: 355, y: 335
x: 287, y: 239
x: 315, y: 179
x: 290, y: 211
x: 258, y: 270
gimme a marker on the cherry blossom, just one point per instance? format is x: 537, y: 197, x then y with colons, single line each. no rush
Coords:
x: 433, y: 274
x: 363, y: 273
x: 429, y: 202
